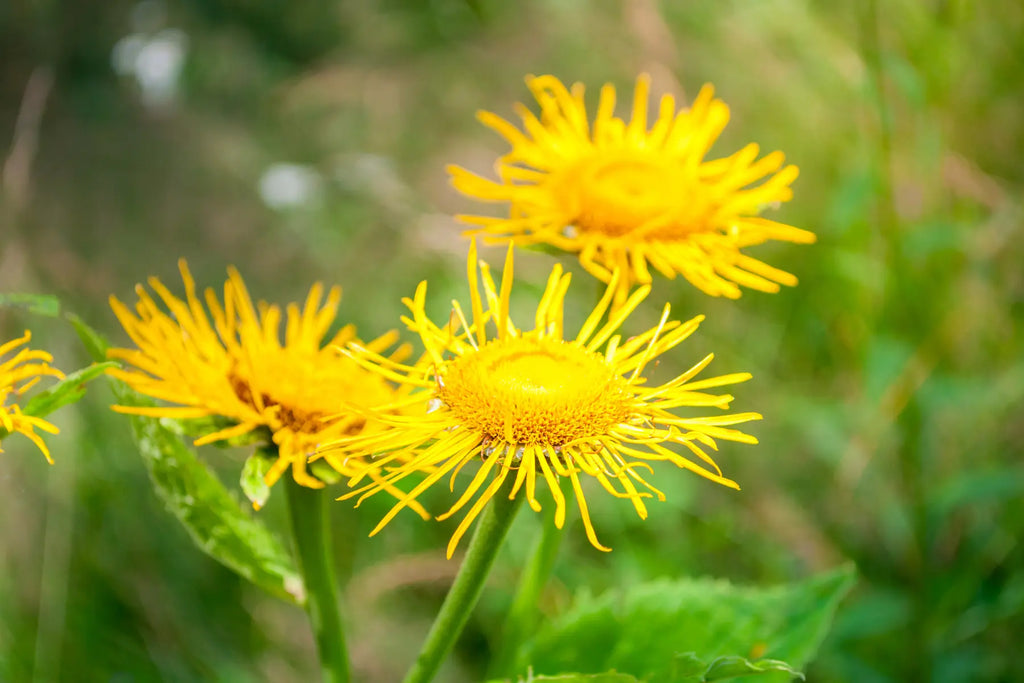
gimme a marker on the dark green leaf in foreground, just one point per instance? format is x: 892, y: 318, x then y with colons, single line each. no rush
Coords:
x: 194, y: 494
x: 725, y: 668
x: 645, y: 629
x: 686, y: 668
x: 40, y: 304
x: 68, y: 390
x: 610, y: 677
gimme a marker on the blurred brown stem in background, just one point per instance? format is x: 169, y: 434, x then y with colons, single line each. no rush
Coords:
x: 17, y: 171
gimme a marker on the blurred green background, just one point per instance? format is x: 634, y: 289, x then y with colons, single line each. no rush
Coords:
x: 307, y: 140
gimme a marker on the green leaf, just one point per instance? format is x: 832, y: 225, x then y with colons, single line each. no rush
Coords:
x: 608, y: 677
x: 724, y: 668
x: 193, y: 493
x: 40, y: 304
x: 94, y: 342
x: 68, y: 390
x: 687, y: 668
x: 644, y: 629
x: 211, y: 515
x: 252, y: 481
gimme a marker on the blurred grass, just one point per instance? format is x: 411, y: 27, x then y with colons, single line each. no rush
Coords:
x: 890, y: 379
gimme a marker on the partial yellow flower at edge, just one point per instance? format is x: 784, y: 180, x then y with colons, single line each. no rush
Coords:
x: 631, y: 198
x: 538, y: 406
x: 232, y: 364
x: 18, y: 374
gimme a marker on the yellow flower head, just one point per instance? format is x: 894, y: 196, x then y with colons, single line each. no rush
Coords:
x: 630, y: 198
x: 17, y: 375
x: 537, y: 405
x: 232, y: 364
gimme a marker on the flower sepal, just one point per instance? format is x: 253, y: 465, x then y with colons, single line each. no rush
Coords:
x: 198, y: 427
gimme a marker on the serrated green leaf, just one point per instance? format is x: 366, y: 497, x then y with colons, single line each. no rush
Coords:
x: 725, y: 668
x: 68, y: 390
x: 643, y: 629
x: 40, y: 304
x: 252, y: 481
x: 687, y: 667
x: 607, y: 677
x: 610, y: 677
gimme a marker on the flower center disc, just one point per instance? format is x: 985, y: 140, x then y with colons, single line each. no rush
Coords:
x: 619, y: 194
x: 529, y: 391
x: 307, y: 385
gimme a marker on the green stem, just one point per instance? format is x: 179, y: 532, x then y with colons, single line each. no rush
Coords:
x: 307, y: 511
x: 469, y: 583
x: 522, y: 615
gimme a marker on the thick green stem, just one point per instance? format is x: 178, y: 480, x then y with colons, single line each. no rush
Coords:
x: 469, y: 583
x: 522, y: 615
x: 307, y: 510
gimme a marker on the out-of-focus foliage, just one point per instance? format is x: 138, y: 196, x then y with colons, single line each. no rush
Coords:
x: 642, y: 630
x: 306, y: 141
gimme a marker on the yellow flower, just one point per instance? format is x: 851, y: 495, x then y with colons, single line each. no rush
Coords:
x: 304, y: 391
x: 628, y: 198
x: 536, y: 405
x: 17, y: 375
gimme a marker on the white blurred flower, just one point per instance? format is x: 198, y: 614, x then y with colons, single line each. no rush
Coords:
x: 284, y: 186
x: 155, y: 61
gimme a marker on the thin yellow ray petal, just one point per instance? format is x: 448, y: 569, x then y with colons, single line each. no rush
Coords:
x: 637, y: 129
x: 506, y: 292
x: 485, y: 497
x: 474, y: 485
x: 526, y: 470
x: 404, y: 501
x: 541, y: 318
x: 386, y: 486
x: 25, y: 338
x: 647, y: 354
x: 618, y: 317
x: 227, y: 433
x: 173, y: 412
x: 595, y: 316
x: 556, y: 490
x: 39, y: 443
x: 585, y: 513
x: 474, y: 294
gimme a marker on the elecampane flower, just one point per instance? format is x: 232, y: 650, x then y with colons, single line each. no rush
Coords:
x: 232, y: 364
x: 18, y: 374
x: 631, y: 198
x: 539, y: 406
